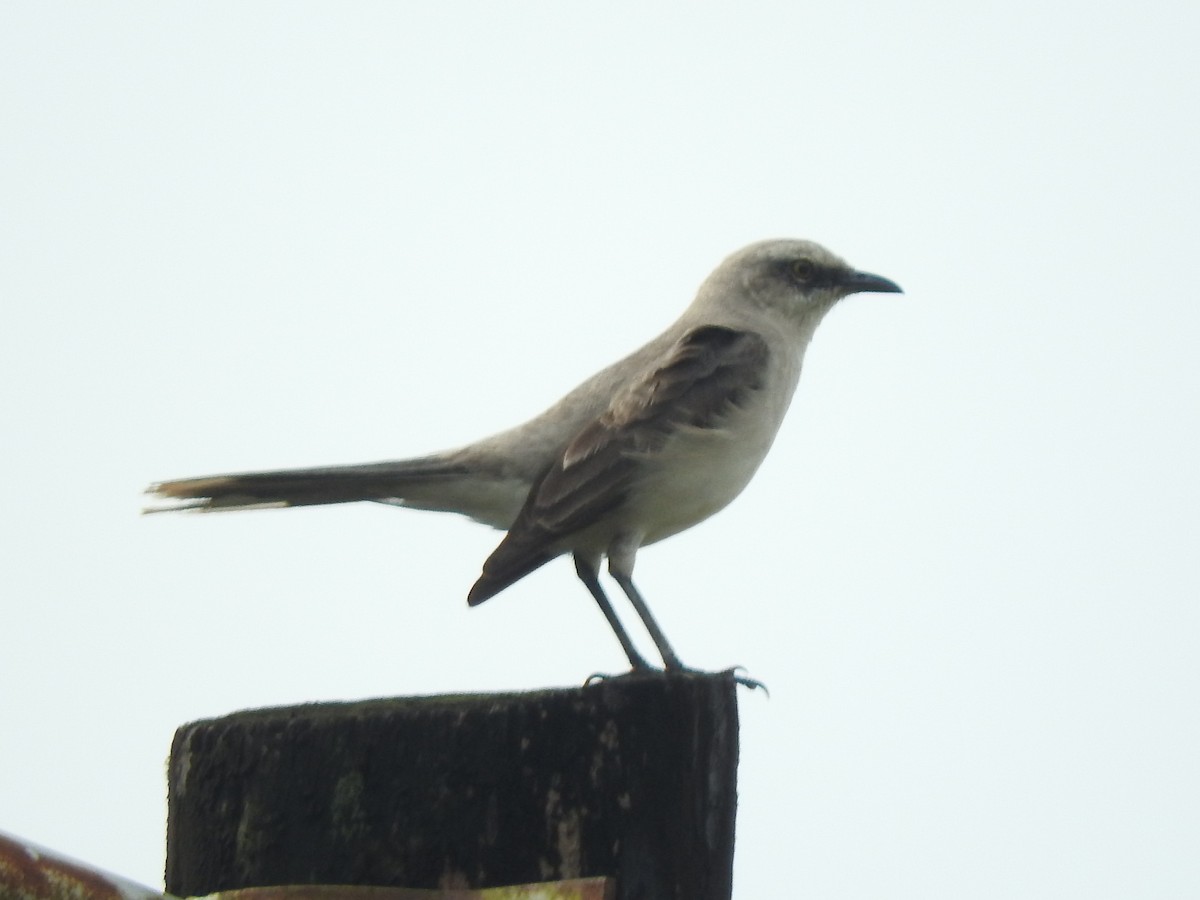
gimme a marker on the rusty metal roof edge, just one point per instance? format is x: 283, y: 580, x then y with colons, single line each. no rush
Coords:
x: 31, y: 872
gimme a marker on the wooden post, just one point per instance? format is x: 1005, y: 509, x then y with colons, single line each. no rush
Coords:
x: 631, y: 777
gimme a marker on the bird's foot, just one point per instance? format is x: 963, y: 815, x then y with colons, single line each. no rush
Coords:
x: 635, y: 672
x: 737, y: 674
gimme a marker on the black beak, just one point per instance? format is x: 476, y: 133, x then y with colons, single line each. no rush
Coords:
x: 866, y: 283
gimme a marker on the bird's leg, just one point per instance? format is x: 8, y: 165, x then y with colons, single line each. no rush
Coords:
x: 620, y: 566
x: 621, y: 555
x: 589, y: 575
x: 660, y: 640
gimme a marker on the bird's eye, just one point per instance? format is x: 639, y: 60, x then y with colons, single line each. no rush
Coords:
x: 803, y: 270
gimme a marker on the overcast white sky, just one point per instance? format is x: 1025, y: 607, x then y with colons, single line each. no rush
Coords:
x: 239, y: 235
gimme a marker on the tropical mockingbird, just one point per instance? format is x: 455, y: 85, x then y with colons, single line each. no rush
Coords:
x: 645, y: 448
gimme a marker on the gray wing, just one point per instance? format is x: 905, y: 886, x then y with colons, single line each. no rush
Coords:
x: 708, y: 373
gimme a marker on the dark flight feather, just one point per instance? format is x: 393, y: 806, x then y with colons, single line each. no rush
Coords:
x: 710, y: 370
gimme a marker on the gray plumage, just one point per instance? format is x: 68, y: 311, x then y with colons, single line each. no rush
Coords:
x: 649, y: 446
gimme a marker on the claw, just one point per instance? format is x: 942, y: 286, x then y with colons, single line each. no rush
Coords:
x: 637, y: 671
x: 745, y: 680
x: 731, y: 673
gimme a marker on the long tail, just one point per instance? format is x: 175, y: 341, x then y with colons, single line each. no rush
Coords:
x: 387, y: 481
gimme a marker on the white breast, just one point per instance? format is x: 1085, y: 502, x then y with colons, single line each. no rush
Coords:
x: 701, y: 470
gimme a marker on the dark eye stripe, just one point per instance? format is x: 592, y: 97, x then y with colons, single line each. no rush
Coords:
x: 814, y: 275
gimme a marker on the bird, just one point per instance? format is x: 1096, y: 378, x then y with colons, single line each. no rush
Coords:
x: 647, y: 447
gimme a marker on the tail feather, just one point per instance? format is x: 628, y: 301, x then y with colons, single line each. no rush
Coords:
x: 300, y: 487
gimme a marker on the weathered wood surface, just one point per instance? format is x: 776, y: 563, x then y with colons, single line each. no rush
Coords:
x: 631, y: 777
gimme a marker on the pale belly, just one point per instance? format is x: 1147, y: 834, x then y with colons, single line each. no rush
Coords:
x: 695, y: 476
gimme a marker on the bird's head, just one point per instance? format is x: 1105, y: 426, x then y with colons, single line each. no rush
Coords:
x: 799, y: 278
